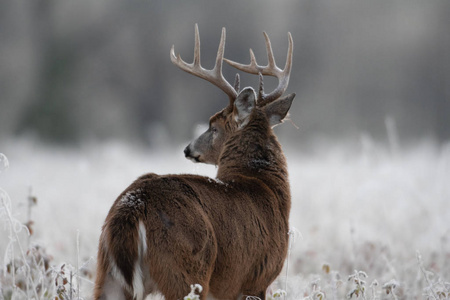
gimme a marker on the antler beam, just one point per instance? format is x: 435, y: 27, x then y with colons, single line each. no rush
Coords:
x: 271, y: 70
x: 214, y: 75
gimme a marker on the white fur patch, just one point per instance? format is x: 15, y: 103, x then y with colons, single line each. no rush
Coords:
x: 138, y: 279
x: 142, y: 239
x: 117, y: 275
x: 138, y: 285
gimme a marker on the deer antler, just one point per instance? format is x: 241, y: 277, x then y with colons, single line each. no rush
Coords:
x: 271, y: 70
x: 214, y: 75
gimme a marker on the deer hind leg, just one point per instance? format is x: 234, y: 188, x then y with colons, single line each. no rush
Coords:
x: 173, y: 282
x: 182, y: 288
x: 113, y: 289
x: 175, y: 277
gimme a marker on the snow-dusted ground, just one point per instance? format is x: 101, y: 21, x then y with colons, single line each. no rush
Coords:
x: 368, y: 209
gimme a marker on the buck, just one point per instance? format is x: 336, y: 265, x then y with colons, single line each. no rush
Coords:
x: 165, y: 233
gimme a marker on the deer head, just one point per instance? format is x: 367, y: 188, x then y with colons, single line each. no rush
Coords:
x: 207, y: 148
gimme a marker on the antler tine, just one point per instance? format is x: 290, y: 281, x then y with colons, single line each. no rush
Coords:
x: 271, y: 70
x: 196, y: 47
x: 220, y: 52
x: 253, y: 63
x: 271, y: 65
x: 214, y: 75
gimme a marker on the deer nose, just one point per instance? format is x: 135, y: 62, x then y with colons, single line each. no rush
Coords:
x: 187, y: 151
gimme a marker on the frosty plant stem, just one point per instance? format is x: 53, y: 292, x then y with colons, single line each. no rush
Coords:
x: 32, y: 200
x: 292, y: 232
x: 359, y: 284
x: 78, y: 260
x: 425, y: 275
x: 15, y: 238
x: 14, y: 228
x: 4, y: 163
x: 390, y: 288
x: 193, y: 294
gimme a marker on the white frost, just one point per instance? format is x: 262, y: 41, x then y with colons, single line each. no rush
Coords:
x: 4, y: 163
x: 216, y: 180
x: 132, y: 199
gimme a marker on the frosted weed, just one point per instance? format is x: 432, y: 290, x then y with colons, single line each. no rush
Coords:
x: 26, y: 272
x: 4, y: 163
x: 195, y: 288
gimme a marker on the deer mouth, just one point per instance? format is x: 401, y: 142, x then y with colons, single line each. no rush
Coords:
x: 195, y: 159
x: 191, y: 155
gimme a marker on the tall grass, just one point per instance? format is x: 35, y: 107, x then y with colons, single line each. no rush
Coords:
x: 27, y: 271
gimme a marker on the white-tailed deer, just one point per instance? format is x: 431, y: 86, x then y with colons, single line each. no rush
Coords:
x: 229, y: 234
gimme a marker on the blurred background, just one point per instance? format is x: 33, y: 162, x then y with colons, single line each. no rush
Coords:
x: 85, y: 70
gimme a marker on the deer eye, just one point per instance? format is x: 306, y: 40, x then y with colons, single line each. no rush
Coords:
x: 213, y: 129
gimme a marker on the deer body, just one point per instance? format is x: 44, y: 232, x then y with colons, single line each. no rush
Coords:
x: 229, y: 234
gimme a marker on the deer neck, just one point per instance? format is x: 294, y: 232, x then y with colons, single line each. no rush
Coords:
x: 254, y: 152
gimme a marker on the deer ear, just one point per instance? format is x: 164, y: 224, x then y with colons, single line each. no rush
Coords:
x: 244, y: 105
x: 277, y: 110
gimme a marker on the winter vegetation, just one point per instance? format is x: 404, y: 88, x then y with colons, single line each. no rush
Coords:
x: 367, y: 222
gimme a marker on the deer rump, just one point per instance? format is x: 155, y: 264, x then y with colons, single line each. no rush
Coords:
x: 189, y: 229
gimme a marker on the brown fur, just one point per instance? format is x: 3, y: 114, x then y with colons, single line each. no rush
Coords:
x: 229, y: 234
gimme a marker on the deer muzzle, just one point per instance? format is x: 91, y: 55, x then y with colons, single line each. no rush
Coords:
x: 189, y: 154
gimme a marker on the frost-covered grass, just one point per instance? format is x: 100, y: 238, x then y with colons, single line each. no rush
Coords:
x: 366, y: 222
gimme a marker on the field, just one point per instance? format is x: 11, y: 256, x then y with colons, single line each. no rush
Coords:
x: 368, y: 221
